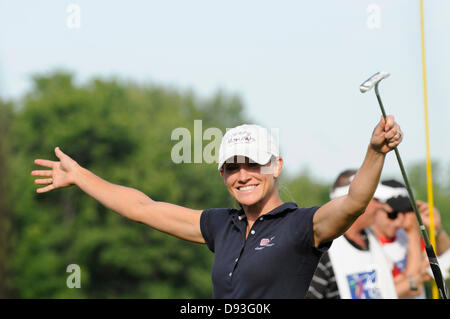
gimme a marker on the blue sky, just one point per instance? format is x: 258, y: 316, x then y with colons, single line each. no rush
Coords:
x: 296, y: 64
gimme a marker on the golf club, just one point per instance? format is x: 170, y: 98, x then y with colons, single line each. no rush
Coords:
x: 374, y: 80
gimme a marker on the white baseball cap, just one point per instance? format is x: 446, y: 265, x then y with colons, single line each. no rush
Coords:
x: 381, y: 192
x: 249, y: 140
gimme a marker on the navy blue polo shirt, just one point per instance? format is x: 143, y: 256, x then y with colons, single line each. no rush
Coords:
x: 277, y: 260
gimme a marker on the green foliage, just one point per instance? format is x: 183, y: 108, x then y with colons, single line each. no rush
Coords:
x: 121, y: 132
x: 441, y: 188
x: 304, y: 190
x: 5, y: 120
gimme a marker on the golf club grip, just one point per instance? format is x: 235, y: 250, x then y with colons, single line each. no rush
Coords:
x: 434, y: 265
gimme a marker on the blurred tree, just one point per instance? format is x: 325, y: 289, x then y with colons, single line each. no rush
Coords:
x: 441, y: 187
x: 304, y: 190
x: 441, y: 190
x: 5, y: 120
x: 121, y: 132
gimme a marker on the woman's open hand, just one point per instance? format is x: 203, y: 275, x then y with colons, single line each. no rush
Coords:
x: 61, y: 174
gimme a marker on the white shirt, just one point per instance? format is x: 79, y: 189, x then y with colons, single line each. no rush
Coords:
x: 362, y: 274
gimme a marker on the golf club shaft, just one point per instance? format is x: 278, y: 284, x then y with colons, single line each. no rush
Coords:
x: 428, y: 247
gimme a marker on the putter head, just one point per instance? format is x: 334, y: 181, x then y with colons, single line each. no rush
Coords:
x: 372, y: 81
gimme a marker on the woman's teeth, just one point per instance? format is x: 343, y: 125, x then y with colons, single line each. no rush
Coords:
x: 246, y: 188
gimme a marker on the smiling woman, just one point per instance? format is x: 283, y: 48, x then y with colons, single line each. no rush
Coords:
x: 249, y: 164
x: 266, y: 249
x: 255, y: 191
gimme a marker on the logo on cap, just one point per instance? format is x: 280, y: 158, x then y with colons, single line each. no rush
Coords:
x: 241, y: 137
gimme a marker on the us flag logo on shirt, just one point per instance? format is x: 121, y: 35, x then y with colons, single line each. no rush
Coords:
x: 265, y: 242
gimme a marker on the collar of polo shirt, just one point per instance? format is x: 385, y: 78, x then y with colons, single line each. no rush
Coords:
x: 277, y: 210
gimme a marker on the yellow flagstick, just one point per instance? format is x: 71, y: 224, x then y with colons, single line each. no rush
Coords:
x: 435, y: 293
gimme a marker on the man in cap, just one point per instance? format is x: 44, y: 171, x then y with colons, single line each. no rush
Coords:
x: 397, y: 230
x: 355, y: 266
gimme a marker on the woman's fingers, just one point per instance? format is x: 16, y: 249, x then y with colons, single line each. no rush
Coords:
x: 59, y: 153
x: 393, y: 132
x: 47, y: 175
x: 42, y: 173
x: 394, y: 142
x: 44, y: 181
x: 389, y: 123
x: 394, y: 136
x: 45, y: 163
x: 45, y: 189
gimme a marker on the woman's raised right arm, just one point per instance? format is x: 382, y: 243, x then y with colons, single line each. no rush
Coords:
x: 131, y: 203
